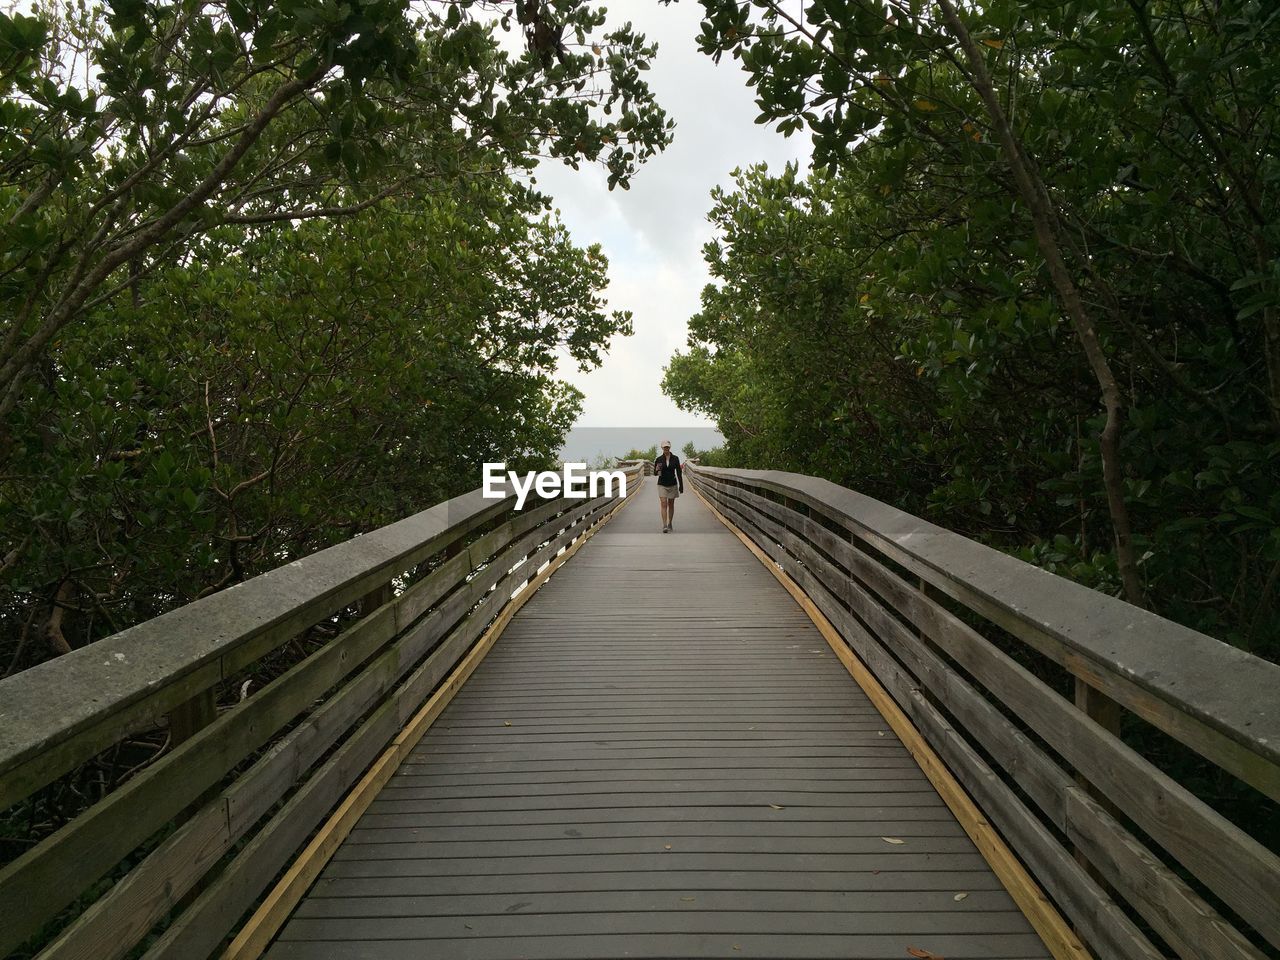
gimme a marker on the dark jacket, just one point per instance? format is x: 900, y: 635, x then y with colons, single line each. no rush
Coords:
x: 669, y: 474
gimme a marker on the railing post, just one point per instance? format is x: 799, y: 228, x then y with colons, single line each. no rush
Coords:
x: 1105, y: 712
x: 929, y: 592
x: 375, y: 598
x: 1100, y: 708
x: 191, y: 716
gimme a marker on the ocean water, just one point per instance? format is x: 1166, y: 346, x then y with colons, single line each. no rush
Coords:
x: 588, y: 444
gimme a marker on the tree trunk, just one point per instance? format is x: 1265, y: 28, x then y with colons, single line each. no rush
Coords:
x: 1045, y: 223
x: 53, y: 634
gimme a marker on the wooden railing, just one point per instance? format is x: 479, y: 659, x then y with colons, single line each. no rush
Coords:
x: 190, y: 842
x: 645, y: 466
x: 1139, y: 864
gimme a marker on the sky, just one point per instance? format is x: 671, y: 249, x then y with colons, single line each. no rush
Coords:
x: 654, y: 232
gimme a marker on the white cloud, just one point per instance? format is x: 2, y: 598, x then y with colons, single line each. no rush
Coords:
x: 654, y: 232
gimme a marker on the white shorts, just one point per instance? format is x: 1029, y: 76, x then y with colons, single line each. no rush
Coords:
x: 668, y: 493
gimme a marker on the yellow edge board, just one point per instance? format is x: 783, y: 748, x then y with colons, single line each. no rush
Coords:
x: 256, y: 935
x: 1040, y: 912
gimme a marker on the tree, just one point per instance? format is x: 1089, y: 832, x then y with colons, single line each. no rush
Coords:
x: 1052, y: 105
x: 1000, y: 91
x: 129, y: 135
x: 908, y: 343
x: 287, y: 389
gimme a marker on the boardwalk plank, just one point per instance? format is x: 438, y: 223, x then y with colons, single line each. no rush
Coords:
x: 659, y: 860
x: 826, y: 829
x: 660, y: 814
x: 653, y: 946
x: 689, y: 882
x: 672, y: 919
x: 978, y: 903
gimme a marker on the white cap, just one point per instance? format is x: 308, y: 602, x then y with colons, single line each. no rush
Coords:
x: 666, y: 443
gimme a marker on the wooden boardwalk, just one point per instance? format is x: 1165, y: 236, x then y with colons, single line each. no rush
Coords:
x: 660, y: 758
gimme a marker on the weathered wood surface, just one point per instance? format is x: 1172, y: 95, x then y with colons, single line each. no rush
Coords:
x: 1166, y: 673
x: 266, y: 921
x: 48, y: 724
x: 47, y: 877
x: 438, y: 617
x: 660, y: 758
x: 1060, y: 940
x: 1154, y: 889
x: 155, y: 886
x: 902, y: 633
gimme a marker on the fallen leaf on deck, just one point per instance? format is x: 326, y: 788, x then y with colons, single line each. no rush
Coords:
x: 924, y: 954
x: 892, y: 840
x: 959, y: 896
x: 777, y: 806
x: 666, y: 846
x: 688, y: 899
x: 506, y: 723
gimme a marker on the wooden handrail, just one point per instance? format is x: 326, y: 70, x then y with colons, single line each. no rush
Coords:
x: 61, y: 712
x: 353, y: 693
x: 889, y: 581
x: 1171, y: 675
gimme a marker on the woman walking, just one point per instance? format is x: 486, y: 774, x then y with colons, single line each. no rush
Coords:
x: 670, y: 484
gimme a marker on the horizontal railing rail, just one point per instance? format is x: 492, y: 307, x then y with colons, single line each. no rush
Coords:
x: 645, y: 465
x: 1141, y: 865
x: 191, y: 840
